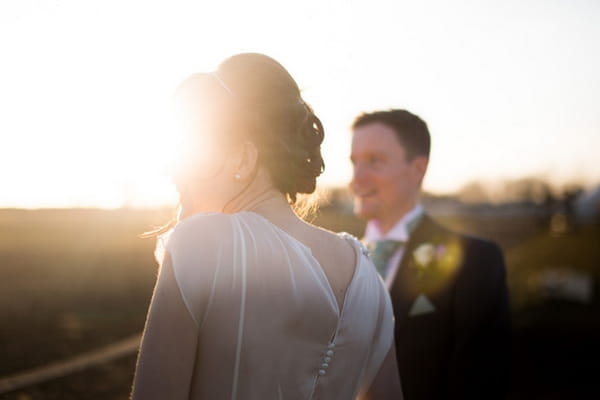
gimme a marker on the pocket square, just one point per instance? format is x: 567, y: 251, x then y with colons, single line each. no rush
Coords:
x: 422, y: 305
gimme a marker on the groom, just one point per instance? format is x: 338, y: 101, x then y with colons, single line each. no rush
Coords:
x: 448, y: 290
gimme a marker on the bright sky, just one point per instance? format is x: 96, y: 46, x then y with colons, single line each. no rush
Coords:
x: 508, y: 88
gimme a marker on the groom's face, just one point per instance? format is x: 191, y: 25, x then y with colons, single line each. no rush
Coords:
x: 385, y: 182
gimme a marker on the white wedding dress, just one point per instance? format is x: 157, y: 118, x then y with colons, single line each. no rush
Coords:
x: 266, y: 321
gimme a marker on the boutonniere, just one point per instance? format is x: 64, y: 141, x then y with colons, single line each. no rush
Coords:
x: 446, y: 258
x: 424, y: 254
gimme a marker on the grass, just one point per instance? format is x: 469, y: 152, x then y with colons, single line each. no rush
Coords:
x: 73, y: 280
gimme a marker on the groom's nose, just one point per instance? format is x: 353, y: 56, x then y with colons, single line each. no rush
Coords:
x: 359, y: 176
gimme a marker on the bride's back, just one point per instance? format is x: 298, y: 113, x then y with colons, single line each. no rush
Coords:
x: 336, y: 255
x: 268, y: 320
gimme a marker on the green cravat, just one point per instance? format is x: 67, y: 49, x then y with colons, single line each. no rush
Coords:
x: 381, y: 251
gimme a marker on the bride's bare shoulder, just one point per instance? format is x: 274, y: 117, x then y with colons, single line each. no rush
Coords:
x: 334, y: 244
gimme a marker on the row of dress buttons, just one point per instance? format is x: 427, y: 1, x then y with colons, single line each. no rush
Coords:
x: 327, y: 359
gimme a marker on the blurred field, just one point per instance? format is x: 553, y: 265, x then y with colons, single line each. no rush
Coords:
x: 73, y: 280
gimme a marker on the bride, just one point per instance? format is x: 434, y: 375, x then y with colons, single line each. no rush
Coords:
x: 251, y: 302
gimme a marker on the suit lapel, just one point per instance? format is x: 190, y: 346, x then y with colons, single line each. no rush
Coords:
x: 407, y: 285
x: 423, y: 232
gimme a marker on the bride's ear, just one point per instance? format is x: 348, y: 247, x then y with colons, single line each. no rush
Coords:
x: 246, y: 161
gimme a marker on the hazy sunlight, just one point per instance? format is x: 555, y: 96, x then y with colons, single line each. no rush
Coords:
x: 507, y: 91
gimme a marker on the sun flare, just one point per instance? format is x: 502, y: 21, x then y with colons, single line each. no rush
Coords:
x: 86, y: 88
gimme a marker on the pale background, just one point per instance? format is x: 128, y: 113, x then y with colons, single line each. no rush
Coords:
x: 509, y: 88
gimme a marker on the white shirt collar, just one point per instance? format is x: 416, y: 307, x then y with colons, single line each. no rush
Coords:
x: 399, y: 231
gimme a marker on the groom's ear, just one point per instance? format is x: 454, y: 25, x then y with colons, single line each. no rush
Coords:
x: 419, y: 165
x: 247, y: 161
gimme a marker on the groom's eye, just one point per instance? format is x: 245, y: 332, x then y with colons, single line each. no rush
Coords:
x: 376, y: 160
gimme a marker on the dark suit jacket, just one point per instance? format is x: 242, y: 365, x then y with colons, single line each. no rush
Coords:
x: 460, y: 350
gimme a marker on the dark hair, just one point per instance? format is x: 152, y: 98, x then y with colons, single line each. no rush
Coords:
x: 411, y: 131
x: 251, y: 96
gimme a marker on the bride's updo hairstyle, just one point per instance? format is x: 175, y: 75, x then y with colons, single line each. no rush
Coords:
x: 253, y: 97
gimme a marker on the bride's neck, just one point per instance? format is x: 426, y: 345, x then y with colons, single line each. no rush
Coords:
x: 264, y: 202
x: 262, y: 199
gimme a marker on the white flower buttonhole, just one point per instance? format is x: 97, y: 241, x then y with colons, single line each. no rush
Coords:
x: 424, y: 255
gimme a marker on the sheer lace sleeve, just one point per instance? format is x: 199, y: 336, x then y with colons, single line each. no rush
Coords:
x: 199, y: 247
x: 167, y: 355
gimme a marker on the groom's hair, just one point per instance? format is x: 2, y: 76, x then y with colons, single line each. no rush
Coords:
x: 411, y: 131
